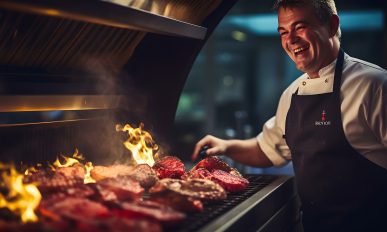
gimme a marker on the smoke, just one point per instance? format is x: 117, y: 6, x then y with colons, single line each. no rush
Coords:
x: 106, y: 142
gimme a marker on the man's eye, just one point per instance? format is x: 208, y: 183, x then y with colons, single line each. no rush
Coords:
x: 300, y: 27
x: 283, y: 33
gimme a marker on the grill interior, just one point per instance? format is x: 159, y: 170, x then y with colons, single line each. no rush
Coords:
x: 99, y: 63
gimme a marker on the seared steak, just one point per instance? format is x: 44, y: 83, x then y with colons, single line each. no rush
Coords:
x: 144, y: 174
x: 214, y: 163
x: 153, y: 210
x: 78, y: 209
x: 177, y: 201
x: 169, y: 167
x: 112, y: 171
x: 73, y: 171
x: 229, y: 182
x: 196, y: 188
x: 124, y: 187
x: 213, y: 168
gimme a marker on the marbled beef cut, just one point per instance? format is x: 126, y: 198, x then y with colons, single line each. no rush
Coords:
x: 153, y: 210
x: 214, y: 163
x: 203, y: 189
x: 78, y: 209
x: 169, y: 167
x: 229, y: 182
x: 144, y: 174
x: 200, y: 173
x: 111, y: 171
x: 213, y: 168
x: 177, y: 201
x: 125, y: 188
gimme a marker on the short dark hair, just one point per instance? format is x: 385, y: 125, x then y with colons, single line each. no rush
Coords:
x: 323, y: 9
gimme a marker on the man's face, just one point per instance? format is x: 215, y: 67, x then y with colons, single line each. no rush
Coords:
x: 305, y: 39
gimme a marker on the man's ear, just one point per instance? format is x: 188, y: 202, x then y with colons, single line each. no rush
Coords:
x: 334, y: 24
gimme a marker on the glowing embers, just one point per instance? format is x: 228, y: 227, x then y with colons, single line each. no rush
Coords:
x: 140, y: 144
x: 21, y: 199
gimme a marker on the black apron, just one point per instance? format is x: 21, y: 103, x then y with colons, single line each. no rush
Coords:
x: 340, y: 190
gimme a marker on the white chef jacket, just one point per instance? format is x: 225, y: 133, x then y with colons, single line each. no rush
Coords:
x: 363, y: 97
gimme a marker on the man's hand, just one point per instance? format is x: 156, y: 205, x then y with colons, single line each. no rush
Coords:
x: 216, y: 146
x: 243, y: 151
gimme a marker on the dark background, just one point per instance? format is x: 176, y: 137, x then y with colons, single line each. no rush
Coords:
x: 237, y: 79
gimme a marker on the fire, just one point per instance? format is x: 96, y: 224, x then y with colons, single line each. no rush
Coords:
x: 32, y: 169
x: 21, y: 199
x: 140, y: 144
x: 68, y: 161
x: 88, y: 179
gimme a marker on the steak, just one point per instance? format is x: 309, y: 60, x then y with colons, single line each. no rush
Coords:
x: 200, y: 173
x: 178, y: 202
x: 144, y: 174
x: 213, y: 168
x: 153, y: 210
x: 73, y: 171
x: 169, y: 167
x: 124, y: 188
x: 49, y: 181
x: 214, y: 163
x: 78, y: 209
x: 112, y: 171
x: 197, y: 188
x: 229, y: 182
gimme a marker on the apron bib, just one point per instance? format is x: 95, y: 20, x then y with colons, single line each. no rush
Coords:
x: 340, y: 190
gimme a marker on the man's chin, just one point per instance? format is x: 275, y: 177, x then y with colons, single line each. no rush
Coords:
x: 302, y: 67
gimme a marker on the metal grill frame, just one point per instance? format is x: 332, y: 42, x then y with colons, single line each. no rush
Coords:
x: 268, y: 204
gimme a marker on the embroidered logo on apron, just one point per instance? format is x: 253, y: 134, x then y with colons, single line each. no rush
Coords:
x: 323, y: 121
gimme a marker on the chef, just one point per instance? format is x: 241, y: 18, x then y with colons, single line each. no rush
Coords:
x: 331, y: 122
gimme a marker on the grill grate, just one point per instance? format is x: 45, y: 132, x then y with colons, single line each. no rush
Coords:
x: 213, y: 210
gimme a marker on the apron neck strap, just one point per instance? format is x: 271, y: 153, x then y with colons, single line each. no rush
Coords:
x: 338, y: 71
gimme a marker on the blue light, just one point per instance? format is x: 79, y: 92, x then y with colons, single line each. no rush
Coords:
x: 266, y: 24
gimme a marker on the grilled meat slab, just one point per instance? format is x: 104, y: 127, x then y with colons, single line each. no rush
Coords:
x: 125, y: 188
x: 153, y: 210
x: 112, y: 171
x: 214, y: 163
x: 169, y: 167
x: 213, y: 168
x: 196, y: 188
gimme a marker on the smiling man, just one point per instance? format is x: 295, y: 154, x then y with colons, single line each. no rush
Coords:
x: 331, y: 122
x: 308, y: 40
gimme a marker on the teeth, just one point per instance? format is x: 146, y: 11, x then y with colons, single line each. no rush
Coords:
x: 297, y: 50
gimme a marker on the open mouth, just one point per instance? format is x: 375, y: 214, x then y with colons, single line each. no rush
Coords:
x: 299, y: 50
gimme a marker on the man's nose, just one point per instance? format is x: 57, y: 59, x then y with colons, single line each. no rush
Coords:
x: 292, y: 37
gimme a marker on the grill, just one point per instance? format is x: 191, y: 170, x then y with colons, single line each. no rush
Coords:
x: 251, y: 209
x: 93, y: 64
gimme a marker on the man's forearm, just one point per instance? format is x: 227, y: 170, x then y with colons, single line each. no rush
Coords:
x: 247, y: 152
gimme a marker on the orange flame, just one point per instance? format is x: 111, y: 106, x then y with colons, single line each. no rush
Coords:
x: 140, y: 144
x: 22, y: 199
x: 68, y: 161
x: 33, y: 169
x: 88, y: 179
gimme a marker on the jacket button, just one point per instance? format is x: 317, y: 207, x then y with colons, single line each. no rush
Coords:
x: 304, y: 83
